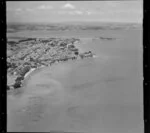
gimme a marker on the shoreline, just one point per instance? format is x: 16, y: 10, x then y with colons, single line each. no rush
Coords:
x: 28, y: 73
x: 37, y: 70
x: 26, y: 78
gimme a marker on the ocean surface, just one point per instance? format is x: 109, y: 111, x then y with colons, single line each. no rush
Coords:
x: 95, y: 95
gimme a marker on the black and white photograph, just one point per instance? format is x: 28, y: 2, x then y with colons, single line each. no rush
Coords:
x: 75, y: 66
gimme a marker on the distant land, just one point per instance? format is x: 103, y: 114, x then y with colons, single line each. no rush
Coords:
x: 62, y: 26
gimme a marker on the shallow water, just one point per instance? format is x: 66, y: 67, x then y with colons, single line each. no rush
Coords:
x: 102, y: 94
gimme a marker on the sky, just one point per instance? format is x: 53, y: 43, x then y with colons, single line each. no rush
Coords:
x: 63, y: 11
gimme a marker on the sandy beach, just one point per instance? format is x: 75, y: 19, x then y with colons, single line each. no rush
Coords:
x: 32, y: 69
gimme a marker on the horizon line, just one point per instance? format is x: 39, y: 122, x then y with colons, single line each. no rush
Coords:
x: 62, y: 22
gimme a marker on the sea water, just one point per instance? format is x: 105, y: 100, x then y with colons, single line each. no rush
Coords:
x: 102, y: 94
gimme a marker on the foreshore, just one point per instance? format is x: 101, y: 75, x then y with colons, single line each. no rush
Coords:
x: 28, y: 73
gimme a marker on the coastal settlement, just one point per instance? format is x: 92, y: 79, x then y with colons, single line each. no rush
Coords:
x: 32, y: 53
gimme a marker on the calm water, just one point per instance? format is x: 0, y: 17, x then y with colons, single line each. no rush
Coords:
x: 102, y: 94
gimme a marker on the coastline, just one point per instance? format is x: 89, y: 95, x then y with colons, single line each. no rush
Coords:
x: 26, y: 79
x: 76, y: 49
x: 34, y: 71
x: 29, y: 74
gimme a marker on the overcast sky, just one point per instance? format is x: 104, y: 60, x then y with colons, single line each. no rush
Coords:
x: 59, y: 11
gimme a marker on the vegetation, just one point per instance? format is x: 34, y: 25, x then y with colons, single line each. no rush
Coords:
x: 17, y: 85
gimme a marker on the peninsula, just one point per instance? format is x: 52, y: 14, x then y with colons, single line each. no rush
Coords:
x: 26, y: 55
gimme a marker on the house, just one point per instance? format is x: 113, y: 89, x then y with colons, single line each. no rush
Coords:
x: 63, y: 44
x: 74, y: 49
x: 61, y: 48
x: 71, y: 46
x: 27, y: 63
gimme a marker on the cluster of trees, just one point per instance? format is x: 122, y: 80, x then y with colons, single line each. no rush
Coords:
x: 18, y: 81
x: 11, y: 65
x: 24, y: 70
x: 86, y: 54
x: 44, y: 41
x: 28, y: 39
x: 11, y: 43
x: 17, y: 85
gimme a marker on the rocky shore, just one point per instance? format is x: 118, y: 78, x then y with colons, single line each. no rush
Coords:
x: 32, y: 53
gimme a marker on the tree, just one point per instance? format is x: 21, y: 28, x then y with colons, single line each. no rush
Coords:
x: 17, y: 85
x: 19, y: 78
x: 25, y: 70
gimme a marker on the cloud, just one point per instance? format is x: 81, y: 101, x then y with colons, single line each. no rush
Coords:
x: 92, y: 12
x: 78, y: 12
x: 10, y: 9
x: 18, y: 10
x: 88, y: 12
x: 68, y: 6
x: 44, y: 7
x: 75, y: 12
x: 29, y: 9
